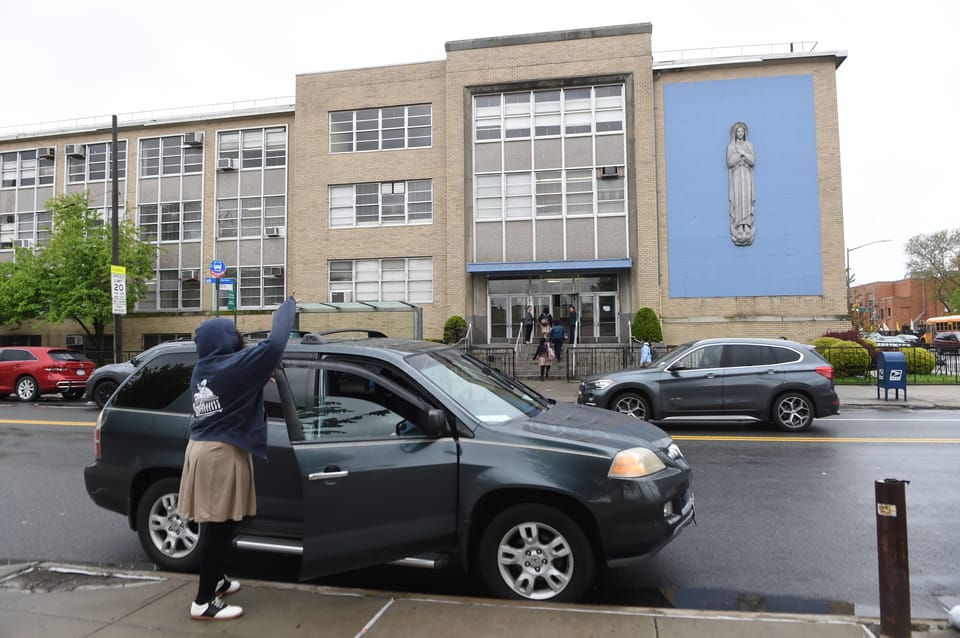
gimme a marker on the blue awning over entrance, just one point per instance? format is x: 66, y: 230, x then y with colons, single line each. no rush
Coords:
x: 550, y: 266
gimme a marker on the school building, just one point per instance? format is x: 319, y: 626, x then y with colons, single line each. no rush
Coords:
x: 546, y: 169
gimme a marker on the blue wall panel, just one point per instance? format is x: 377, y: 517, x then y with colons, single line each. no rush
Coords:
x: 785, y: 257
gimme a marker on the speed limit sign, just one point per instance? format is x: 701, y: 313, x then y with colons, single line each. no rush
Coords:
x: 118, y: 285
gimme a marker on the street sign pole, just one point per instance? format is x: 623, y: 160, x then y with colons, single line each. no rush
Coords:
x: 216, y: 298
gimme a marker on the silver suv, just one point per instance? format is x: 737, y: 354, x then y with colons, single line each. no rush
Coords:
x: 737, y: 379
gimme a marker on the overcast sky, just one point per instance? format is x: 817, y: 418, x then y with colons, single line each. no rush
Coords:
x: 899, y: 89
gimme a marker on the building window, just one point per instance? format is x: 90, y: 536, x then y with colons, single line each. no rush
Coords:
x: 403, y: 279
x: 257, y: 286
x: 95, y: 165
x: 254, y: 147
x: 250, y: 217
x: 572, y: 184
x: 173, y: 289
x: 381, y: 129
x: 171, y: 221
x: 169, y: 156
x: 25, y: 168
x: 381, y: 204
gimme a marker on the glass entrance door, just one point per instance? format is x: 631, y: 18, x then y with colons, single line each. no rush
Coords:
x: 506, y: 315
x: 598, y: 318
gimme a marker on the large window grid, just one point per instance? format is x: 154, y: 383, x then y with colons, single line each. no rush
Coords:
x: 171, y: 290
x: 256, y: 286
x: 381, y: 129
x: 381, y: 204
x: 574, y: 188
x: 169, y: 156
x: 249, y: 217
x: 25, y: 168
x: 401, y: 279
x: 96, y: 163
x: 171, y: 221
x: 255, y: 147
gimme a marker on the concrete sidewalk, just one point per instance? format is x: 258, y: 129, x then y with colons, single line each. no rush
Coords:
x: 62, y: 601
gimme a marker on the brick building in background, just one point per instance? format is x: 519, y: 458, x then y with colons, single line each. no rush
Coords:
x: 547, y: 169
x: 893, y: 306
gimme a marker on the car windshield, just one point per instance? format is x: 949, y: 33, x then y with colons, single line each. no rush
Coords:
x: 486, y: 393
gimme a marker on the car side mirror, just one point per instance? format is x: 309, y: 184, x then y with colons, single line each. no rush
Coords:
x: 436, y: 424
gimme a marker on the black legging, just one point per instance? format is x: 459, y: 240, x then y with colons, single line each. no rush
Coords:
x: 213, y: 557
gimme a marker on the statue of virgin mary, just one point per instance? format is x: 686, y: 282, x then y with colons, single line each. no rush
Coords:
x: 740, y: 161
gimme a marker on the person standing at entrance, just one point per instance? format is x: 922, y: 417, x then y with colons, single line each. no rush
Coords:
x: 528, y: 325
x: 546, y: 322
x: 556, y: 339
x: 229, y: 426
x: 572, y: 322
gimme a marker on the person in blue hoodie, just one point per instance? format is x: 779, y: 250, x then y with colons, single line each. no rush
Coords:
x: 229, y: 427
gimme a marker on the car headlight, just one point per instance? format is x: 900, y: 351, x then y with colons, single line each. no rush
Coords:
x: 634, y: 463
x: 599, y: 384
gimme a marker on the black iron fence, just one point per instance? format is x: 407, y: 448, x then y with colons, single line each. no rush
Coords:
x: 854, y: 366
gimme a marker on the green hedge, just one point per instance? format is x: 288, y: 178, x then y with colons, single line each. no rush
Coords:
x: 848, y: 359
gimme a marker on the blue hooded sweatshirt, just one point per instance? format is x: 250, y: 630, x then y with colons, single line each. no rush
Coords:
x: 228, y: 381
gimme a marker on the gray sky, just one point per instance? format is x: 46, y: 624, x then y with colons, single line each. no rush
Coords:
x: 898, y: 89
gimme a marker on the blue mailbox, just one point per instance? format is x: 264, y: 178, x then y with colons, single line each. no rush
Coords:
x: 891, y: 374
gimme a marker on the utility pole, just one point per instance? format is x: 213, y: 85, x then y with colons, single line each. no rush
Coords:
x: 115, y: 228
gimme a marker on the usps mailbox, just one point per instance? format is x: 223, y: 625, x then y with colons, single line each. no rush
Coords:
x: 891, y: 374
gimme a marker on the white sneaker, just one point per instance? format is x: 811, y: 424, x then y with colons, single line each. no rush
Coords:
x: 216, y: 609
x: 225, y: 587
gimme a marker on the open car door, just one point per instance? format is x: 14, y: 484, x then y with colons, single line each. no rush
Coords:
x: 378, y: 466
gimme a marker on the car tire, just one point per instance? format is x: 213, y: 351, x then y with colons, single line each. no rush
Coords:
x: 103, y: 391
x: 171, y: 542
x: 27, y: 389
x: 71, y: 395
x: 536, y: 552
x: 792, y: 412
x: 632, y: 404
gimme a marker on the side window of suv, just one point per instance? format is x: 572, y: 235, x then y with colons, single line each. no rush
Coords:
x: 741, y: 355
x: 351, y: 406
x: 161, y: 384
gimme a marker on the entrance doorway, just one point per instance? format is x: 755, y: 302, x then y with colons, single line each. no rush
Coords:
x: 506, y: 315
x: 598, y: 318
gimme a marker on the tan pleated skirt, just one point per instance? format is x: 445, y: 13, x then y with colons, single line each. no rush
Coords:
x: 217, y: 483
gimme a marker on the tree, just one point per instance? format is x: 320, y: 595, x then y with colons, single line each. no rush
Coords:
x: 454, y: 329
x: 68, y: 277
x: 936, y: 258
x: 646, y: 324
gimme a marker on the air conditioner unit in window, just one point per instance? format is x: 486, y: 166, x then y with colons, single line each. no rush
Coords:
x: 74, y: 341
x: 189, y: 275
x: 273, y: 271
x: 193, y: 139
x: 227, y: 164
x: 75, y: 150
x: 341, y: 297
x: 47, y: 152
x: 272, y: 231
x: 609, y: 171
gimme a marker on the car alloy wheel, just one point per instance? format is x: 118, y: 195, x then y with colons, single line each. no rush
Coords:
x: 171, y: 541
x: 27, y: 389
x: 103, y: 391
x: 793, y: 412
x: 632, y: 404
x: 536, y: 552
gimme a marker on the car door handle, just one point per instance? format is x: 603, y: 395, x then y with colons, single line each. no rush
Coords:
x: 327, y: 475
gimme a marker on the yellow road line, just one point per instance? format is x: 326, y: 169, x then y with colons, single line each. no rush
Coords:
x: 814, y: 439
x: 88, y: 424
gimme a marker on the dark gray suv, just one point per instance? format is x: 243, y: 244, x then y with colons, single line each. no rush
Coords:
x: 736, y: 379
x: 385, y: 450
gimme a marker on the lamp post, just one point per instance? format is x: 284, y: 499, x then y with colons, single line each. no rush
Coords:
x: 850, y: 250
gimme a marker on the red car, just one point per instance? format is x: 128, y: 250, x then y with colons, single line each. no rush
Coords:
x: 29, y: 371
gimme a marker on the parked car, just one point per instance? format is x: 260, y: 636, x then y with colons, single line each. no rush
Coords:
x: 384, y: 450
x: 739, y: 379
x: 107, y: 378
x: 910, y: 339
x: 889, y: 342
x: 29, y: 371
x: 947, y: 342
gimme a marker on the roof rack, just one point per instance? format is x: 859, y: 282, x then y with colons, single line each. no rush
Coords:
x: 318, y: 337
